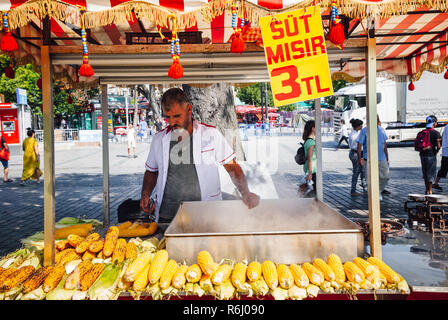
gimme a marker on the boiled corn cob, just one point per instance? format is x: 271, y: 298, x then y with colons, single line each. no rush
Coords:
x: 260, y: 287
x: 353, y: 273
x: 53, y: 278
x: 254, y: 271
x: 300, y: 278
x: 179, y: 278
x: 222, y: 274
x: 389, y: 273
x: 120, y: 251
x: 206, y: 283
x: 74, y: 240
x: 325, y: 268
x: 315, y: 276
x: 137, y: 265
x: 269, y: 272
x: 371, y: 272
x: 157, y: 266
x: 193, y: 273
x: 73, y: 280
x: 336, y: 265
x: 90, y: 277
x: 36, y: 279
x: 238, y: 276
x: 285, y: 277
x: 110, y: 240
x: 168, y: 273
x: 131, y: 250
x: 85, y: 244
x: 96, y: 246
x: 6, y: 274
x: 206, y: 262
x: 141, y: 279
x: 17, y: 277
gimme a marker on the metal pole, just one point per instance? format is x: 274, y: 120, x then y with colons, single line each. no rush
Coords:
x: 318, y: 121
x: 48, y: 126
x: 126, y: 104
x: 266, y: 103
x: 372, y: 149
x: 105, y: 135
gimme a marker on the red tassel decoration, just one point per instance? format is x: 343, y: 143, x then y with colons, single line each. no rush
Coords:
x: 39, y: 83
x: 237, y: 42
x: 9, y: 72
x: 8, y: 43
x: 176, y: 70
x: 86, y: 69
x: 411, y: 86
x: 69, y: 99
x: 446, y: 73
x: 336, y: 35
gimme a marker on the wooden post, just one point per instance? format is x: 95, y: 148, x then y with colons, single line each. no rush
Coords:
x: 372, y: 150
x: 319, y: 174
x: 49, y: 192
x: 105, y: 145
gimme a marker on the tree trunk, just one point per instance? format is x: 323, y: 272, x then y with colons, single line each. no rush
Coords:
x: 149, y: 91
x: 214, y: 105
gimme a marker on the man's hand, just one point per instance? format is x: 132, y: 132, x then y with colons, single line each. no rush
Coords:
x: 309, y: 177
x: 251, y: 200
x: 361, y: 162
x: 144, y: 204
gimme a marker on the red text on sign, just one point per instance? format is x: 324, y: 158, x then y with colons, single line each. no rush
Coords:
x: 296, y: 50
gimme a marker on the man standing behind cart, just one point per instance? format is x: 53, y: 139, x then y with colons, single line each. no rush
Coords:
x: 182, y: 162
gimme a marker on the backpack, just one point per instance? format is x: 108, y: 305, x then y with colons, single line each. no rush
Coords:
x: 423, y: 140
x: 300, y: 157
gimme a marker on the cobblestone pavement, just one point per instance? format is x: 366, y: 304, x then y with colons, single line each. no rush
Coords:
x: 79, y: 183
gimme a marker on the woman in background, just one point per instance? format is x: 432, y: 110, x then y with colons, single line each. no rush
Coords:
x: 353, y: 155
x: 31, y: 158
x: 309, y: 134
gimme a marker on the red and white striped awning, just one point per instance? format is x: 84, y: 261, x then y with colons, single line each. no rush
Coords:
x: 418, y: 42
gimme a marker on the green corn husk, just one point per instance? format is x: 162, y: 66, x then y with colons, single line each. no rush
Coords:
x: 14, y: 259
x: 104, y: 287
x: 37, y: 294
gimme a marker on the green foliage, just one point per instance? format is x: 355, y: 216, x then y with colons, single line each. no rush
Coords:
x: 252, y: 94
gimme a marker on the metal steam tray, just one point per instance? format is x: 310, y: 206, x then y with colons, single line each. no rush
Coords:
x: 282, y: 230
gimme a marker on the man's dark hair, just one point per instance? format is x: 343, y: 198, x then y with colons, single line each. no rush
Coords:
x: 173, y: 95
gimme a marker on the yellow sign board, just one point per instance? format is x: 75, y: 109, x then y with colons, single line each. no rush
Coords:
x: 296, y: 56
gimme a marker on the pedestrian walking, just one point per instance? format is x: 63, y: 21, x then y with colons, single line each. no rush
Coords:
x: 4, y: 158
x: 131, y: 135
x: 444, y: 165
x: 353, y: 156
x: 31, y: 158
x: 309, y: 134
x: 427, y: 143
x: 383, y: 156
x: 344, y: 134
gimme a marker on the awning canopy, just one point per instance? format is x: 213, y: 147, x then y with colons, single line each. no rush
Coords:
x: 125, y: 46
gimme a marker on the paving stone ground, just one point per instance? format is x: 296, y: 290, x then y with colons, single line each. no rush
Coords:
x: 79, y: 183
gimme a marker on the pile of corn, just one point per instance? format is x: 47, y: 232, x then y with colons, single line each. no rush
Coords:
x: 96, y: 268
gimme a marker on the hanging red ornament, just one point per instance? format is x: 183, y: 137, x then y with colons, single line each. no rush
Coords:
x: 176, y: 70
x: 8, y: 43
x: 411, y: 86
x: 336, y: 35
x: 446, y: 73
x: 237, y: 42
x: 86, y: 69
x: 39, y: 83
x: 9, y: 72
x: 69, y: 99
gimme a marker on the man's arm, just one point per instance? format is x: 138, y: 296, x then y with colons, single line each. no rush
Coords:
x: 149, y: 182
x: 239, y: 179
x: 359, y: 151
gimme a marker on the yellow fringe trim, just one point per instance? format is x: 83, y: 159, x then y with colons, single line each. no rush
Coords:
x: 21, y: 15
x: 439, y: 68
x: 344, y: 76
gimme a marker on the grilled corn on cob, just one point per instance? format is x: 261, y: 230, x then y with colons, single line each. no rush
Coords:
x: 119, y: 251
x: 62, y: 244
x: 74, y: 240
x: 96, y: 246
x: 131, y: 250
x: 73, y: 280
x: 90, y: 277
x: 36, y: 279
x: 6, y: 274
x: 53, y: 278
x: 17, y: 278
x: 110, y: 240
x: 85, y: 244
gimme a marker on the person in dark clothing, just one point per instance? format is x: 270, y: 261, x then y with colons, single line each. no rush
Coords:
x: 428, y: 156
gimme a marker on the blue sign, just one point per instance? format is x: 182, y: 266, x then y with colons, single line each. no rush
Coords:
x: 21, y: 96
